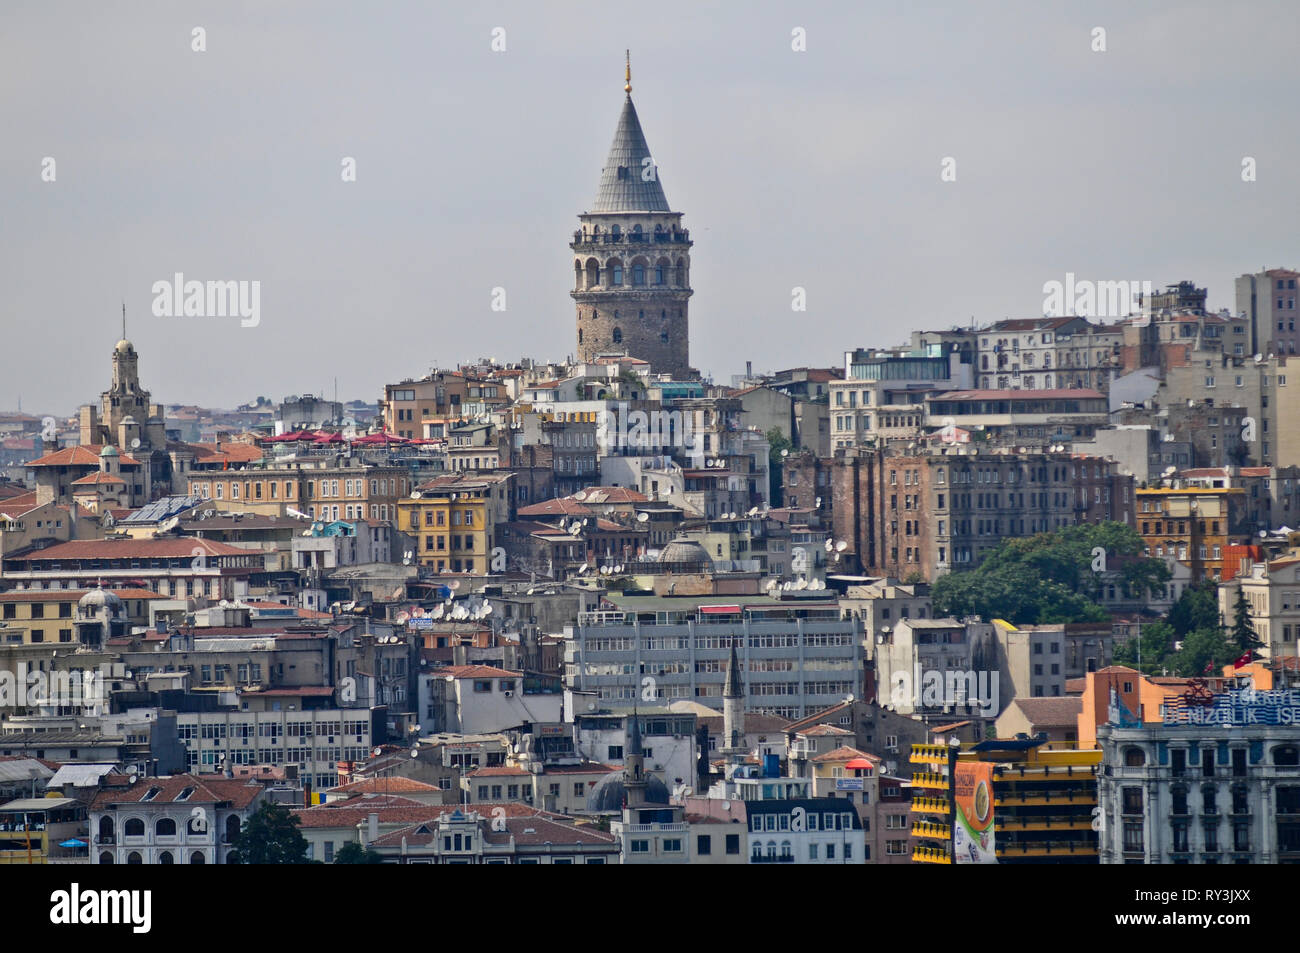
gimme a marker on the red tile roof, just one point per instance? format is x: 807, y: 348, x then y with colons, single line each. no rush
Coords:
x: 86, y: 455
x: 845, y: 753
x: 1051, y: 712
x: 100, y: 477
x: 476, y: 671
x: 240, y: 793
x: 135, y: 549
x: 384, y: 785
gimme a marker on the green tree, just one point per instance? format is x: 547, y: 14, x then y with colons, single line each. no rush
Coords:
x: 1204, y: 651
x: 1243, y: 629
x: 1157, y: 642
x: 777, y: 441
x: 1052, y: 577
x: 1196, y: 608
x: 270, y: 836
x: 354, y: 853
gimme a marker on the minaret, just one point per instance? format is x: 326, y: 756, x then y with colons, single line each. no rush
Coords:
x: 634, y: 780
x: 733, y: 707
x: 632, y: 259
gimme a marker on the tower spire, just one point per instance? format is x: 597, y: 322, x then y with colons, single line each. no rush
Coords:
x: 627, y: 73
x: 123, y: 319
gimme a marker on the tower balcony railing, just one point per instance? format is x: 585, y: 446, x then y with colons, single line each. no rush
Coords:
x: 682, y: 237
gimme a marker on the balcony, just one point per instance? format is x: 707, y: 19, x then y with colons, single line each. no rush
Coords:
x: 930, y: 855
x: 779, y: 859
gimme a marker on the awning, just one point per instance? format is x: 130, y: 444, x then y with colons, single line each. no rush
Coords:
x: 860, y: 764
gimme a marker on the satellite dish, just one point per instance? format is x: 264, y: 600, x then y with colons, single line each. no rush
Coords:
x: 772, y: 584
x: 753, y: 511
x: 642, y: 517
x: 438, y: 610
x: 841, y: 546
x: 135, y: 444
x: 581, y: 569
x: 1259, y: 358
x: 580, y: 495
x: 224, y: 604
x: 454, y: 585
x: 618, y: 568
x: 830, y: 544
x: 785, y: 453
x: 415, y: 494
x: 819, y: 501
x: 415, y: 752
x: 377, y: 752
x: 487, y: 609
x: 575, y: 529
x: 1263, y: 534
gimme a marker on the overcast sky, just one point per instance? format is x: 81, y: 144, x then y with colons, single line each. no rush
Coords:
x: 818, y: 169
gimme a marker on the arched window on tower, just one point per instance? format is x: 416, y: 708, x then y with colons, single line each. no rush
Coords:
x: 593, y: 273
x: 579, y: 335
x: 638, y: 274
x: 618, y: 335
x: 616, y: 273
x: 660, y: 273
x: 681, y: 273
x: 640, y: 315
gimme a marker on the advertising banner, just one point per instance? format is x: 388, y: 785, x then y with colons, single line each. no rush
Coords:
x: 973, y: 841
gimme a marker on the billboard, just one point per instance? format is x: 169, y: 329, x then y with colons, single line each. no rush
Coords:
x: 973, y: 841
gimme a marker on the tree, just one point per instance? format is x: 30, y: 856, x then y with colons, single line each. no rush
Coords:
x: 1196, y: 608
x: 777, y: 441
x: 270, y: 836
x: 1156, y: 641
x: 1052, y: 577
x: 354, y: 853
x: 1203, y: 651
x: 1243, y: 629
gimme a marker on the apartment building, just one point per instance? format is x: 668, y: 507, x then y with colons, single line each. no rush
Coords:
x: 454, y: 519
x: 1048, y: 353
x: 799, y: 655
x: 882, y: 395
x: 329, y: 489
x: 1193, y: 525
x: 920, y: 515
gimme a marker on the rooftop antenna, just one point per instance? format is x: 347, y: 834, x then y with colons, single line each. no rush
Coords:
x: 123, y: 319
x: 627, y: 74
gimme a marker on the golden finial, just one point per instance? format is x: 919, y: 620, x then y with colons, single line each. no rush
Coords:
x: 627, y: 74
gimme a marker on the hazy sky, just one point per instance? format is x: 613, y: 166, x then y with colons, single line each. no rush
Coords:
x: 818, y: 169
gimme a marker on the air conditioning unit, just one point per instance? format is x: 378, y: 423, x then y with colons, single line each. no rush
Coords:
x: 509, y: 694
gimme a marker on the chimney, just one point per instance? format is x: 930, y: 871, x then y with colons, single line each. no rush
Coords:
x: 373, y: 829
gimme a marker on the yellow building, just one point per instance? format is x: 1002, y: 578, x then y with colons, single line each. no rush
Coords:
x: 1004, y: 801
x: 34, y: 830
x: 454, y: 520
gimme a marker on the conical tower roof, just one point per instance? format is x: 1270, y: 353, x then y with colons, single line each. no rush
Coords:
x: 627, y: 182
x: 733, y: 688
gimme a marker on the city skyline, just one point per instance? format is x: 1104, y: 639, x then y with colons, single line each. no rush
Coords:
x: 790, y: 167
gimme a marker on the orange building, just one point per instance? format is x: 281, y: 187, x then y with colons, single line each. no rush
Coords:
x: 1142, y: 695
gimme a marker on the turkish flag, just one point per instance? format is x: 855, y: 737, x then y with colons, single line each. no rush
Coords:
x: 1209, y: 667
x: 1244, y: 660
